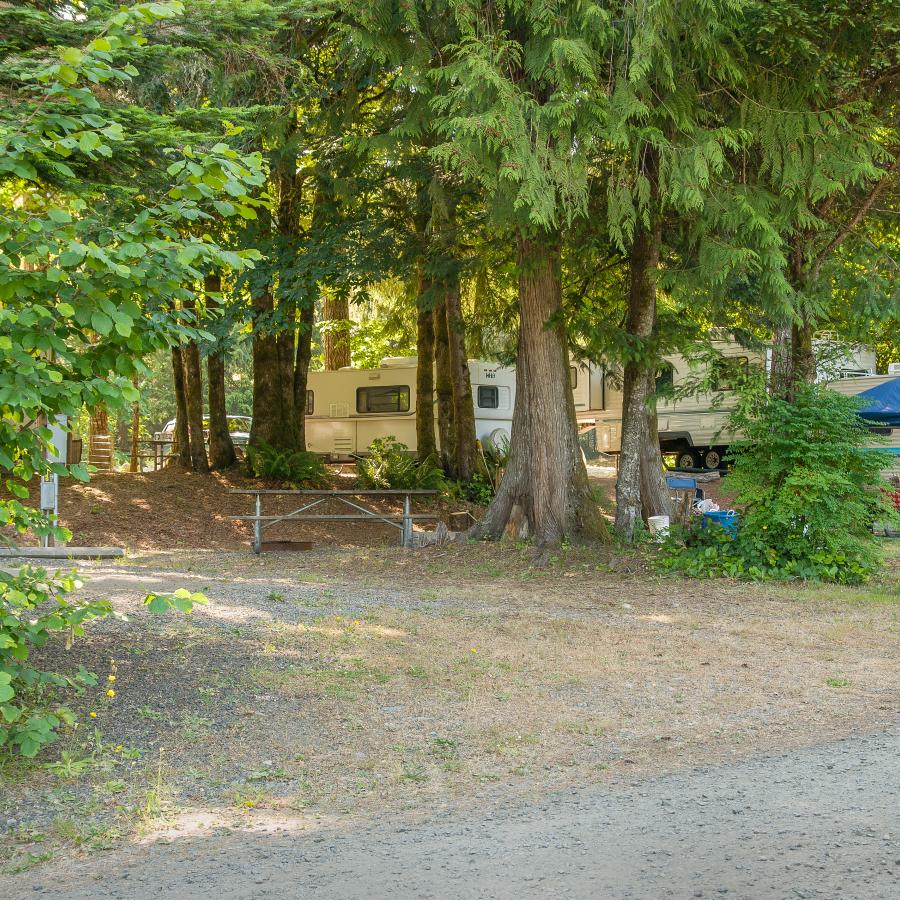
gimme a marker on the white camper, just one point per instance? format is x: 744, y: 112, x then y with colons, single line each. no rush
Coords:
x: 348, y: 408
x: 692, y: 428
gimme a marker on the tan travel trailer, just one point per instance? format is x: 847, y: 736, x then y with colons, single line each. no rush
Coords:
x: 693, y: 428
x: 347, y: 409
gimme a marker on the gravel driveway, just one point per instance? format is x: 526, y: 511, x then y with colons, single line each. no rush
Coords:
x: 816, y: 822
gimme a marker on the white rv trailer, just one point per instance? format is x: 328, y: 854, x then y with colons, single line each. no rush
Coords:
x: 693, y: 428
x: 348, y: 408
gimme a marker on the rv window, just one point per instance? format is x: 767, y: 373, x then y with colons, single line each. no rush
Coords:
x: 310, y: 402
x: 665, y: 378
x: 390, y: 399
x: 488, y: 397
x: 728, y: 372
x: 573, y: 377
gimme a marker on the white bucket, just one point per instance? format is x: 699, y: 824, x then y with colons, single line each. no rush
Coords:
x: 659, y: 527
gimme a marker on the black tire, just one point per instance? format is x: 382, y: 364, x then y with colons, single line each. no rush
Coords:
x: 685, y: 459
x: 712, y: 458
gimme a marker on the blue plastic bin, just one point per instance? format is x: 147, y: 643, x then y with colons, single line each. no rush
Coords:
x: 727, y: 519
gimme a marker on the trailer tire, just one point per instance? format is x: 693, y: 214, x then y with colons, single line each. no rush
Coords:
x: 712, y: 458
x: 685, y: 459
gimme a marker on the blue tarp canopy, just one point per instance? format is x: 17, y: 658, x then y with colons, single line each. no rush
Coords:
x: 882, y: 403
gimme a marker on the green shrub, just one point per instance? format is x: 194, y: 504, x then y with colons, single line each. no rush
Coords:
x: 808, y: 494
x: 478, y: 489
x: 391, y: 466
x: 297, y: 468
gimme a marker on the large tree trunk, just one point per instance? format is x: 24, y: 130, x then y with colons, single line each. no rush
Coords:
x: 336, y: 339
x: 803, y: 357
x: 193, y: 391
x: 780, y: 374
x: 545, y: 491
x: 641, y: 487
x: 276, y: 421
x: 463, y: 405
x: 101, y: 446
x: 135, y: 462
x: 274, y: 412
x: 444, y: 390
x: 181, y: 444
x: 302, y: 359
x: 221, y: 446
x: 426, y: 445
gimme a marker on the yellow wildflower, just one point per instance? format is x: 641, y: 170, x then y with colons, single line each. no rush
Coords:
x: 110, y: 677
x: 93, y: 715
x: 110, y: 693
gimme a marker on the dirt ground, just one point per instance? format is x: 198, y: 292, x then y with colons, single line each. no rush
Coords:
x: 166, y: 509
x: 341, y: 685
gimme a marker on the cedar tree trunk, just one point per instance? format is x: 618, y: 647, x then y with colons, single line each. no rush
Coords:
x: 221, y: 446
x: 463, y: 406
x: 274, y: 412
x: 641, y: 486
x: 425, y: 440
x: 302, y: 359
x: 545, y: 491
x: 193, y: 392
x: 444, y: 389
x: 181, y: 444
x: 336, y: 339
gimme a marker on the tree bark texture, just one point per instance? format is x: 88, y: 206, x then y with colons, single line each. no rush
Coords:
x: 276, y: 419
x: 274, y: 410
x: 545, y: 491
x: 193, y: 392
x: 443, y: 385
x: 463, y: 404
x: 336, y: 339
x: 425, y: 437
x: 100, y: 442
x: 181, y: 444
x: 305, y: 324
x: 641, y: 487
x: 135, y: 462
x: 221, y: 446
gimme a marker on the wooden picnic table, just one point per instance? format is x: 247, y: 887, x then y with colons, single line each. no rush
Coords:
x: 361, y: 512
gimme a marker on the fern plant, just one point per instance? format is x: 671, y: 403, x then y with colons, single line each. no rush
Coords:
x: 390, y: 466
x: 296, y: 468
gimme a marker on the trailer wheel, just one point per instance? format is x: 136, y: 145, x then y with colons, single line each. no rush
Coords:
x: 712, y: 459
x: 686, y: 459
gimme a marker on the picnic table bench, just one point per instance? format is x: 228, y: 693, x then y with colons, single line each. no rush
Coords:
x: 361, y: 512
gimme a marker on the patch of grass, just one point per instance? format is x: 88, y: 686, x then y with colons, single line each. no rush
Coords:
x: 413, y: 770
x: 837, y: 682
x: 275, y: 597
x: 501, y: 742
x: 28, y: 861
x: 344, y: 683
x: 245, y: 798
x: 585, y: 727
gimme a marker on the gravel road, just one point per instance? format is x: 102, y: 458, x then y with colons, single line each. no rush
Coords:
x: 815, y: 822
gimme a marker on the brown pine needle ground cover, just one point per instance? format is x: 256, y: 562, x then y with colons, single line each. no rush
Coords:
x: 319, y: 688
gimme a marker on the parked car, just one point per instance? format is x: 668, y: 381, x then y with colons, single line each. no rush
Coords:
x: 238, y: 427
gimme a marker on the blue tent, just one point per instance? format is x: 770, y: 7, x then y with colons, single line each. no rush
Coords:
x: 882, y: 403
